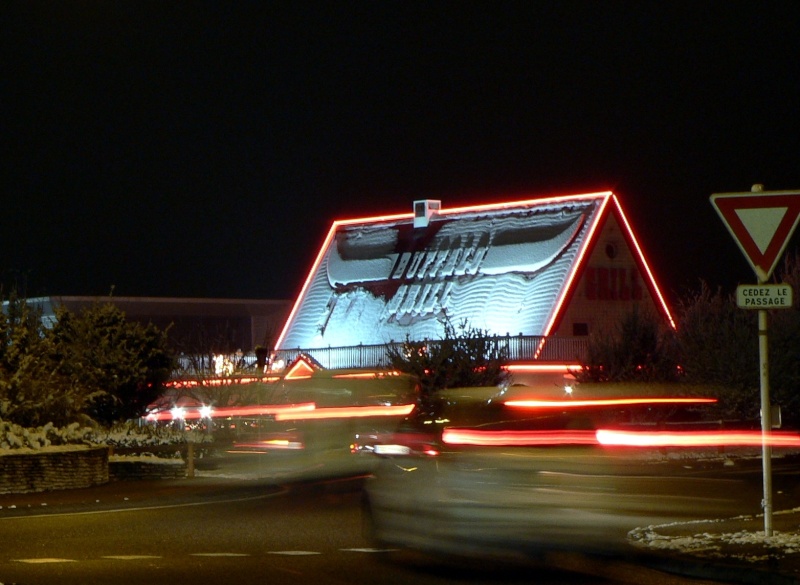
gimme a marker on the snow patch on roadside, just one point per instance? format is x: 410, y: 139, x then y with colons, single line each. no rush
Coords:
x: 749, y: 545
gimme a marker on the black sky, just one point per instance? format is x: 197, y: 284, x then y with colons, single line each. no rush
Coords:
x: 203, y: 149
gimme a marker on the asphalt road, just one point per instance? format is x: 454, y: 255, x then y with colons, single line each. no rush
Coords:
x: 223, y: 530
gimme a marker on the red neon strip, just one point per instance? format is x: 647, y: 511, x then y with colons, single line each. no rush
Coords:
x: 311, y: 273
x: 220, y: 381
x: 604, y: 402
x: 299, y: 371
x: 643, y: 260
x: 480, y: 207
x: 541, y: 368
x: 380, y: 374
x: 346, y: 412
x: 696, y: 439
x: 377, y: 218
x: 556, y: 312
x: 523, y: 203
x: 181, y: 384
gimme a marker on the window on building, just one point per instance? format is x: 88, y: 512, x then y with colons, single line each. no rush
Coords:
x: 580, y: 329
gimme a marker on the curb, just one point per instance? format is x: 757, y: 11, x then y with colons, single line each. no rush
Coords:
x: 717, y: 571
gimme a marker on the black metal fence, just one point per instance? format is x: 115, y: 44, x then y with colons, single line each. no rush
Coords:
x: 518, y: 349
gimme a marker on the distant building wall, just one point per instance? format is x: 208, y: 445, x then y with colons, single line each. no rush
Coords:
x: 195, y: 324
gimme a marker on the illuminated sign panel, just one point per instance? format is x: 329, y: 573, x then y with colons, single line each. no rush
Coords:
x: 764, y: 296
x: 613, y: 284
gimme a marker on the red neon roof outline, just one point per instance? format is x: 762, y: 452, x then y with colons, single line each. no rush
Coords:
x: 727, y: 205
x: 299, y: 370
x: 651, y: 279
x: 606, y: 196
x: 571, y: 277
x: 583, y: 254
x: 410, y: 216
x: 299, y: 300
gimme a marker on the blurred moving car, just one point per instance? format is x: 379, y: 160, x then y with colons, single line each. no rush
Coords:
x: 321, y: 412
x: 491, y: 477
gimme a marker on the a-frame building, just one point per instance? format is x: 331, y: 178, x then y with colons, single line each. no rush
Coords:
x: 554, y: 267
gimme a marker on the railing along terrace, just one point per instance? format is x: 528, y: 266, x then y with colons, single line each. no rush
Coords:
x: 518, y: 349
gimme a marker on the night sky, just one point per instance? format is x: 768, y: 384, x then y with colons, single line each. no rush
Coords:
x: 190, y: 149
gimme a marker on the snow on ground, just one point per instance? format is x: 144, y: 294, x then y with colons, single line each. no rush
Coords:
x: 703, y: 538
x: 149, y: 458
x: 17, y: 439
x: 742, y: 537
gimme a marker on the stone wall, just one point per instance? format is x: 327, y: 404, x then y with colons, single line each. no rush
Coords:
x: 53, y: 470
x: 119, y: 469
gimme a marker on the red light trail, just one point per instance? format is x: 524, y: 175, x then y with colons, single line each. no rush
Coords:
x: 604, y: 402
x: 608, y: 437
x: 617, y: 438
x: 346, y: 412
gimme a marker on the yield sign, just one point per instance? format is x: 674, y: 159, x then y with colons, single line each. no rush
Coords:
x: 761, y: 223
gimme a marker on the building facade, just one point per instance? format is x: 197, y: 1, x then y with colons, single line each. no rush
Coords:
x: 552, y: 267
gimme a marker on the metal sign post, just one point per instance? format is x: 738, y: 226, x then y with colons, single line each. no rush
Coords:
x: 763, y: 297
x: 761, y: 223
x: 766, y: 421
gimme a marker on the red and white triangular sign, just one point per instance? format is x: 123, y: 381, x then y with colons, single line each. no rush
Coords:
x: 761, y: 223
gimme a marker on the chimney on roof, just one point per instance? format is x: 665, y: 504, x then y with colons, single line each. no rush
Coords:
x: 424, y: 209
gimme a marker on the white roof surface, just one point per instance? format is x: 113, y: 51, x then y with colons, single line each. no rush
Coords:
x: 500, y: 267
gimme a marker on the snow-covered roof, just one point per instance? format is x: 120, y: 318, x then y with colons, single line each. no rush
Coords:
x: 501, y: 267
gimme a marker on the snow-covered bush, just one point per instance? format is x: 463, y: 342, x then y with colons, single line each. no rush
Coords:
x: 132, y: 434
x: 15, y: 437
